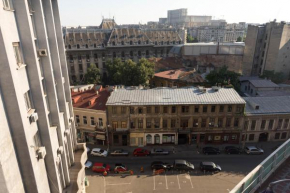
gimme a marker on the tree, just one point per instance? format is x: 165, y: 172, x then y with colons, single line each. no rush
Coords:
x: 277, y: 77
x: 93, y: 75
x: 130, y: 73
x: 239, y: 39
x: 190, y: 39
x: 224, y: 77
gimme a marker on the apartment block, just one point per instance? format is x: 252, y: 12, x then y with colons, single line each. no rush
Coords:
x: 187, y: 115
x: 39, y: 147
x: 267, y: 48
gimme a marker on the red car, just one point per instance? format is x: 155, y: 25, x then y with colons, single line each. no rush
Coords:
x: 120, y: 168
x: 141, y: 152
x: 100, y: 167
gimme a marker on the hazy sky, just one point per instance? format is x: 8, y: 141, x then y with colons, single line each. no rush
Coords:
x: 90, y: 12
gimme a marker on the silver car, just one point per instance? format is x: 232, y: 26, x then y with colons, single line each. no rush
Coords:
x: 253, y: 150
x: 119, y: 152
x: 159, y: 151
x: 88, y: 164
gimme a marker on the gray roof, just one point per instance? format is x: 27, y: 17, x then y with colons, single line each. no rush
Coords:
x: 271, y: 93
x: 247, y: 78
x: 263, y: 83
x: 169, y: 96
x: 268, y: 105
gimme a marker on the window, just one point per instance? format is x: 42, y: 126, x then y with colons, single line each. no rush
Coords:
x: 36, y: 140
x: 78, y: 46
x: 88, y: 65
x: 277, y: 135
x: 236, y: 122
x: 211, y: 122
x: 185, y: 109
x: 80, y: 67
x: 27, y: 100
x: 253, y: 125
x: 156, y: 123
x: 173, y: 123
x: 140, y: 110
x: 164, y: 123
x: 115, y: 124
x: 230, y: 108
x: 93, y: 121
x: 17, y: 53
x: 196, y: 109
x: 148, y: 109
x: 123, y: 110
x: 148, y: 139
x: 284, y: 135
x: 7, y: 4
x: 286, y: 122
x: 212, y: 109
x: 85, y: 120
x: 251, y: 137
x: 124, y: 124
x: 165, y: 109
x: 234, y: 137
x: 156, y: 109
x: 271, y: 123
x: 220, y: 122
x: 173, y: 109
x: 228, y: 122
x: 77, y: 118
x: 263, y: 124
x: 148, y: 123
x: 132, y: 124
x: 114, y: 110
x: 204, y: 109
x: 222, y: 108
x: 279, y: 126
x: 184, y: 123
x: 132, y: 110
x: 203, y: 123
x: 116, y: 138
x: 140, y: 123
x: 239, y: 109
x: 100, y: 122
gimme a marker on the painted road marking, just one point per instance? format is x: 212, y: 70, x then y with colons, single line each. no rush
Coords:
x: 154, y: 183
x: 118, y: 184
x: 166, y: 181
x: 178, y: 181
x: 190, y: 180
x: 104, y: 184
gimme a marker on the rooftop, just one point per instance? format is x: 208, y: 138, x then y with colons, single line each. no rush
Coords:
x: 166, y: 63
x: 271, y: 93
x: 215, y: 44
x: 246, y: 78
x: 267, y: 105
x: 166, y: 96
x: 263, y: 83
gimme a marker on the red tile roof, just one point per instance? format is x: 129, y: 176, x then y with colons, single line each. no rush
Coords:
x: 180, y: 74
x: 170, y: 74
x: 91, y: 99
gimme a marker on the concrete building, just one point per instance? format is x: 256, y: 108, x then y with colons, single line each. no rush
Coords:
x: 86, y: 46
x: 90, y: 113
x: 266, y: 119
x: 175, y: 116
x: 267, y: 48
x: 38, y: 136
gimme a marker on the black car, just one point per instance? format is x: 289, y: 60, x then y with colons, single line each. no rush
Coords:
x: 232, y: 150
x: 182, y: 165
x: 157, y: 165
x: 211, y: 150
x: 209, y: 167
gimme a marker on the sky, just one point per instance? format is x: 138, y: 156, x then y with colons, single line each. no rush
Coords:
x: 90, y: 12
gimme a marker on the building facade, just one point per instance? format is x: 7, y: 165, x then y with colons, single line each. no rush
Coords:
x: 267, y: 48
x: 175, y: 116
x: 88, y: 45
x: 36, y: 113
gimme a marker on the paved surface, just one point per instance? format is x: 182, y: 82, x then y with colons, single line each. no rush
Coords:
x: 234, y: 168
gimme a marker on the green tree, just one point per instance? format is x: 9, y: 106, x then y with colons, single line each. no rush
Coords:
x: 190, y: 39
x: 239, y: 39
x: 224, y: 77
x: 277, y: 77
x: 93, y: 75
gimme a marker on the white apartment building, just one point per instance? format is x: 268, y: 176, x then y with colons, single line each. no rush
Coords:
x: 37, y: 130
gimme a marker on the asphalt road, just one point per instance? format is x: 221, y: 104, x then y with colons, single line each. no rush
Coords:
x: 234, y: 168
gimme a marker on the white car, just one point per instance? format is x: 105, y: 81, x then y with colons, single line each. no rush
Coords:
x: 88, y: 164
x: 253, y: 150
x: 99, y: 152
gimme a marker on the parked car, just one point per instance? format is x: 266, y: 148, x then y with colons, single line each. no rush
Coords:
x: 157, y: 165
x: 211, y: 150
x: 182, y: 165
x: 159, y: 151
x: 209, y: 167
x: 119, y: 152
x: 253, y: 150
x: 141, y: 152
x: 100, y: 167
x: 232, y: 150
x: 88, y: 164
x: 120, y: 168
x: 99, y: 152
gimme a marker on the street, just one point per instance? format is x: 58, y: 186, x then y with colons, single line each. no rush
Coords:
x: 234, y: 168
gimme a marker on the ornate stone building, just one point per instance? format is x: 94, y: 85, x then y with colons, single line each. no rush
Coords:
x: 96, y: 45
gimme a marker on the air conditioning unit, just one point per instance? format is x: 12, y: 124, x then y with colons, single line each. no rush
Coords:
x: 41, y: 152
x: 60, y: 150
x: 42, y: 52
x: 34, y: 117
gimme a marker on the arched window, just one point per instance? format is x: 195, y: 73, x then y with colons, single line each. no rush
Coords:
x: 156, y: 139
x: 148, y: 139
x: 69, y: 46
x: 123, y: 54
x: 114, y: 54
x: 122, y: 42
x: 139, y: 42
x: 87, y: 46
x: 78, y: 46
x: 131, y: 53
x: 131, y: 43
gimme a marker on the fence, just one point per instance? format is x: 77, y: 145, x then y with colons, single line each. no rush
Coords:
x: 257, y: 176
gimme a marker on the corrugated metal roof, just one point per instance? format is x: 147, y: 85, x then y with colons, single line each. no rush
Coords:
x: 169, y: 96
x: 268, y: 105
x: 263, y: 83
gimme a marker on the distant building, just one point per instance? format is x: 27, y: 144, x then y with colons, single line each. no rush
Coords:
x: 267, y: 48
